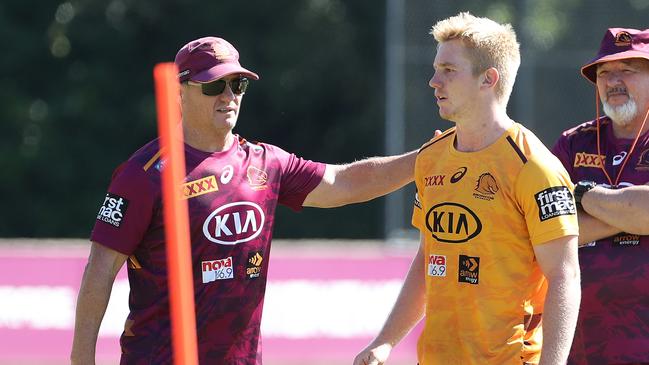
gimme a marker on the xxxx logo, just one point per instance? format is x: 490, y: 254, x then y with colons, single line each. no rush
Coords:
x: 436, y: 180
x: 583, y: 159
x: 199, y: 187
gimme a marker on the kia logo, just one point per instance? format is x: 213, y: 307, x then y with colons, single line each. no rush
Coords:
x: 234, y: 223
x: 452, y: 223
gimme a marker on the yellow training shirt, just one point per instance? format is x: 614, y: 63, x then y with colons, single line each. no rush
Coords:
x: 480, y: 214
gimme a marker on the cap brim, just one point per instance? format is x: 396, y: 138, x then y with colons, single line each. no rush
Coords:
x: 589, y: 71
x: 222, y: 70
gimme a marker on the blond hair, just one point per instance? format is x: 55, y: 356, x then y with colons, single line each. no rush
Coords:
x: 488, y: 44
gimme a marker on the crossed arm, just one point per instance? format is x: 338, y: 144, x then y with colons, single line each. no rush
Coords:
x: 96, y: 285
x: 362, y: 180
x: 610, y: 211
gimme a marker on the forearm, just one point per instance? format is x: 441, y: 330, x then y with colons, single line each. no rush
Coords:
x: 560, y: 318
x: 626, y: 209
x: 362, y: 180
x: 376, y: 176
x: 91, y: 307
x: 96, y: 286
x: 592, y: 229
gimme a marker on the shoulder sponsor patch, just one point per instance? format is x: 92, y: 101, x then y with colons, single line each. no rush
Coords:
x: 469, y: 269
x: 217, y: 270
x: 199, y: 187
x: 555, y: 201
x: 112, y: 210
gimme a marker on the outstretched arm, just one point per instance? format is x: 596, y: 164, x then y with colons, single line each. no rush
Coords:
x: 96, y: 285
x: 362, y: 180
x: 626, y: 209
x: 560, y: 265
x: 407, y: 311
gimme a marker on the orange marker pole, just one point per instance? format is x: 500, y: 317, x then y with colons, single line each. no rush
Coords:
x: 181, y: 287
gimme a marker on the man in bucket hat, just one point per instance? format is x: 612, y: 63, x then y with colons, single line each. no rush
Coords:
x: 232, y: 188
x: 608, y: 159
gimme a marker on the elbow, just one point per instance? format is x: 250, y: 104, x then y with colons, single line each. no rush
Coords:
x: 568, y: 278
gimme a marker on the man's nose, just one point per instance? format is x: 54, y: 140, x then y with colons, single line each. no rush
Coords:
x: 434, y: 81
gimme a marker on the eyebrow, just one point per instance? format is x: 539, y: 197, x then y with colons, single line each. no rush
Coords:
x: 445, y: 64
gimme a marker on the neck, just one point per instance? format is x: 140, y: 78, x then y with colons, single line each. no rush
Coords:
x: 478, y: 133
x: 206, y: 141
x: 638, y: 126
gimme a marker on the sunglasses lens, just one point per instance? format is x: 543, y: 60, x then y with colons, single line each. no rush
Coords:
x: 214, y: 88
x: 239, y: 85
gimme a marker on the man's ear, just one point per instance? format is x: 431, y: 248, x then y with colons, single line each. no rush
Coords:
x: 490, y: 77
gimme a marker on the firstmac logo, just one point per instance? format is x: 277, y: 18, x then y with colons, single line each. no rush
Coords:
x: 234, y: 223
x: 112, y: 210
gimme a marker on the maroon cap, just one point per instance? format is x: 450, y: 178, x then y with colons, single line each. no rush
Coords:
x: 618, y: 44
x: 207, y: 59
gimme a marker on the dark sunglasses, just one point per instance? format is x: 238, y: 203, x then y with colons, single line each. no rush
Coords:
x: 237, y: 85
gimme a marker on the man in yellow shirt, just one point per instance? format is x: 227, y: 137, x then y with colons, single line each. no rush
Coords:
x: 496, y: 274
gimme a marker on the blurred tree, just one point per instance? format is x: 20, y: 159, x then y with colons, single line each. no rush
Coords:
x: 76, y: 92
x: 77, y: 97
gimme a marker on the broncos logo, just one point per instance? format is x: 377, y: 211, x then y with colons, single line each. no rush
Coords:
x: 643, y: 161
x: 623, y: 39
x: 486, y: 184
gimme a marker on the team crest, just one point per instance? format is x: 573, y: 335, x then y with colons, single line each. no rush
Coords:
x: 221, y: 51
x: 486, y: 187
x: 257, y: 178
x: 643, y: 161
x: 623, y: 39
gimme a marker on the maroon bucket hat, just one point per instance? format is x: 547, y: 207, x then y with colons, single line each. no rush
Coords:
x: 209, y: 58
x: 618, y: 44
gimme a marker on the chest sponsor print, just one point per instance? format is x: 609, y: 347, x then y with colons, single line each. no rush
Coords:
x: 583, y: 159
x: 452, y: 223
x: 469, y: 270
x: 199, y: 187
x: 217, y: 270
x: 253, y: 267
x: 626, y: 239
x: 234, y: 223
x: 436, y: 265
x: 434, y: 180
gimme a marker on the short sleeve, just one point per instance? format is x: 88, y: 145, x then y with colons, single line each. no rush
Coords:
x: 298, y: 177
x: 417, y: 213
x: 126, y: 210
x: 544, y: 193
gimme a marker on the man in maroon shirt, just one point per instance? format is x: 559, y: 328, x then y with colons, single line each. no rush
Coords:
x: 232, y: 188
x: 608, y: 159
